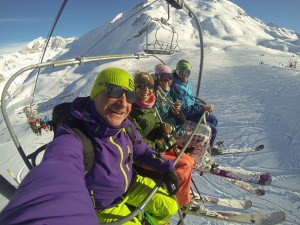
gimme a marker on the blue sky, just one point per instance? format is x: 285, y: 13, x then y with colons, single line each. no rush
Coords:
x: 284, y: 13
x: 23, y: 21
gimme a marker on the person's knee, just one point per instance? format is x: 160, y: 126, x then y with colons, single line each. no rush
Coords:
x: 185, y: 168
x: 173, y: 208
x: 212, y: 119
x: 191, y: 162
x: 214, y: 131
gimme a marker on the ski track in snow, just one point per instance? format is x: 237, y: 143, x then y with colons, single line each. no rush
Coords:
x: 256, y: 119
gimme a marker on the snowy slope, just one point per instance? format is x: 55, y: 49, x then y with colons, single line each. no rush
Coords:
x: 254, y: 103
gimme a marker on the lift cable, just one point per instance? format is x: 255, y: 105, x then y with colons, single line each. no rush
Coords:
x: 47, y: 42
x: 118, y: 26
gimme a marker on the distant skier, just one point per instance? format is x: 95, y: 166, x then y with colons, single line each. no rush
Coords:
x: 31, y: 122
x: 38, y: 126
x: 50, y: 125
x: 46, y: 121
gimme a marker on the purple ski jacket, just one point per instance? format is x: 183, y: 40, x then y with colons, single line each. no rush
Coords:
x: 56, y: 192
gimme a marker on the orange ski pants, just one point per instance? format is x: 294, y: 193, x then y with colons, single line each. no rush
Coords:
x: 184, y: 168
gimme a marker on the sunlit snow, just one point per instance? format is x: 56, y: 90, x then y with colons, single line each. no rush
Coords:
x: 246, y: 75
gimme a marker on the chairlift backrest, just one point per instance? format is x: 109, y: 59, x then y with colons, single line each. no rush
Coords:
x: 30, y: 112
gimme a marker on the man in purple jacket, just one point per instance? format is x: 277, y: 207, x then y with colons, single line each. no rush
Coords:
x: 56, y: 192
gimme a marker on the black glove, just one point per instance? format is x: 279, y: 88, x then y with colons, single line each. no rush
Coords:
x: 171, y: 182
x: 180, y: 119
x: 189, y: 150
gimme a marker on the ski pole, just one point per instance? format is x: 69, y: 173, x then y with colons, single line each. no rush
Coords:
x: 179, y: 210
x: 13, y: 176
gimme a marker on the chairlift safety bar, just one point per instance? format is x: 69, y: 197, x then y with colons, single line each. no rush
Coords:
x: 59, y: 63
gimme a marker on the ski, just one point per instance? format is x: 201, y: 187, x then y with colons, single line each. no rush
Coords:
x: 252, y: 218
x: 208, y: 165
x: 262, y: 178
x: 226, y: 202
x: 246, y: 186
x: 242, y: 150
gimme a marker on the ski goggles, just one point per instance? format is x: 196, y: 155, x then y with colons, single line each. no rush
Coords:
x: 184, y: 72
x: 164, y: 77
x: 114, y: 91
x: 143, y: 86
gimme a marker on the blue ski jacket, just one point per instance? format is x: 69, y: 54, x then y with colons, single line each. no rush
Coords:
x: 184, y: 92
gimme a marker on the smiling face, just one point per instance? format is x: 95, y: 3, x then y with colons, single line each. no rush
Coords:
x: 144, y: 93
x: 144, y: 85
x: 113, y: 110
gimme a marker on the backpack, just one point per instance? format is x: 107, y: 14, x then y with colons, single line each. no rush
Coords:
x: 61, y: 114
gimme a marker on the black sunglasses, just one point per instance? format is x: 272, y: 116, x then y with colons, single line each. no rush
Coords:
x: 114, y: 91
x: 142, y: 86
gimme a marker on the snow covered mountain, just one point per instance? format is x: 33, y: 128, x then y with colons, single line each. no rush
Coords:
x: 221, y: 20
x: 32, y: 54
x: 246, y: 75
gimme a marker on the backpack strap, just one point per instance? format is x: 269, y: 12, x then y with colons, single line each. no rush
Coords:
x: 131, y: 135
x: 88, y: 151
x: 61, y: 114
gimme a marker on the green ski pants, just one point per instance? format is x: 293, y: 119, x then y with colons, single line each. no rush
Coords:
x: 161, y: 206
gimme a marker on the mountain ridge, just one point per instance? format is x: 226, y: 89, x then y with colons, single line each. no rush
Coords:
x: 11, y: 63
x: 220, y: 20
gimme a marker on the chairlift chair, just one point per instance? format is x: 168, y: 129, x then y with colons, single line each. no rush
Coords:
x: 30, y: 111
x: 159, y: 47
x: 165, y: 36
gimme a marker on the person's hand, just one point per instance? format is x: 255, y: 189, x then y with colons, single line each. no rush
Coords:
x: 177, y: 105
x: 209, y: 108
x: 171, y: 182
x: 170, y: 142
x: 166, y: 144
x: 180, y: 119
x: 160, y: 145
x: 166, y: 129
